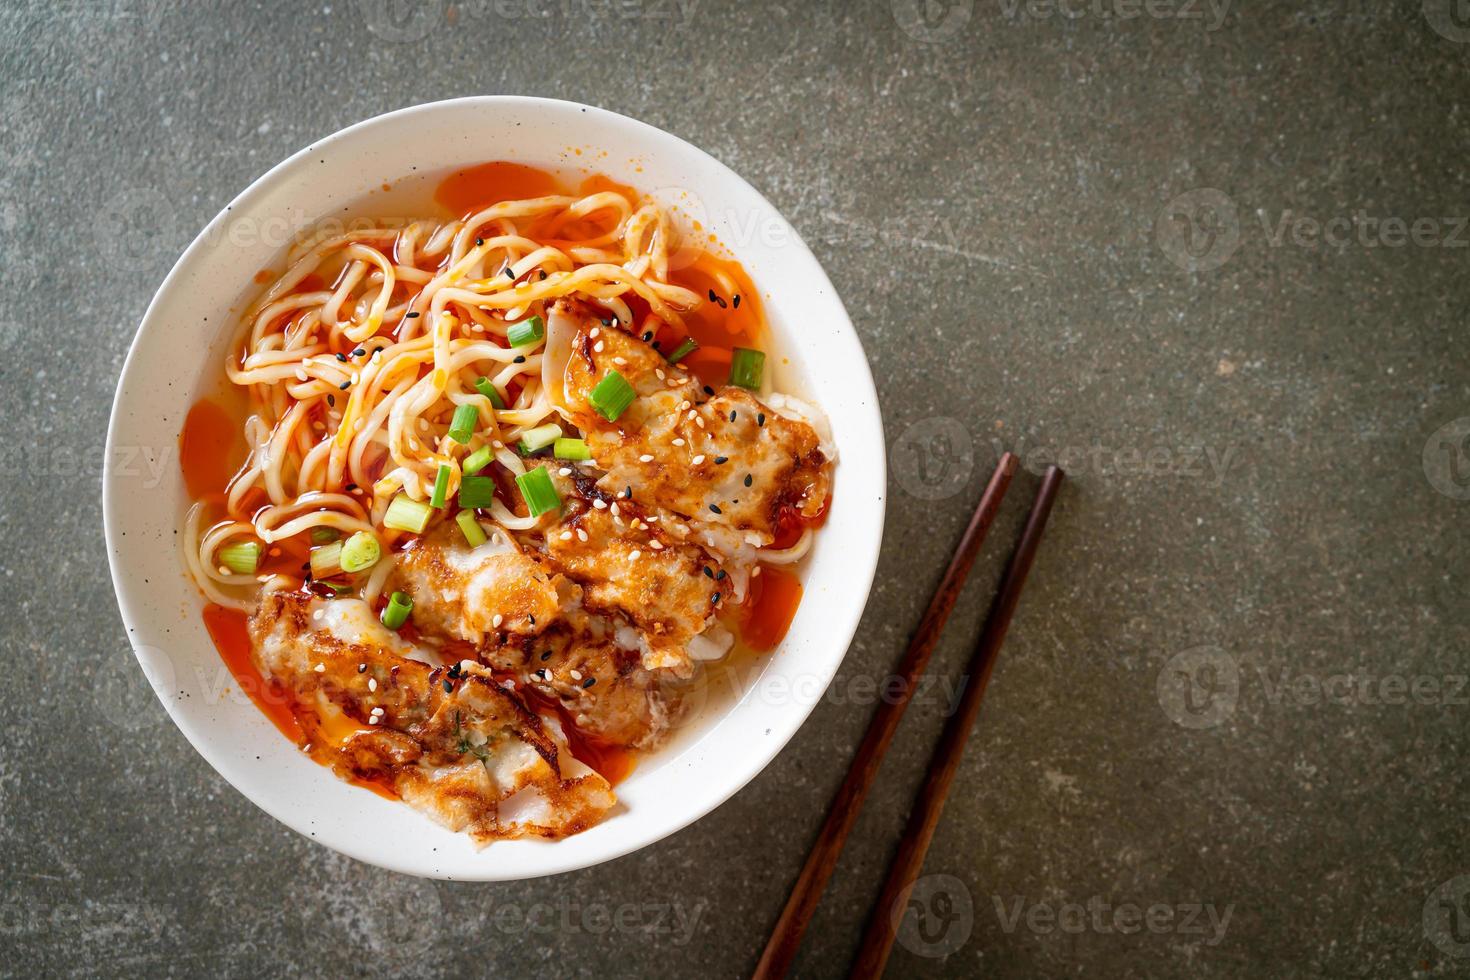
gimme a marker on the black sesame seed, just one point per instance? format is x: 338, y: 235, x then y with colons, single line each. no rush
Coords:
x: 359, y: 352
x: 605, y: 321
x: 344, y: 386
x: 342, y: 358
x: 720, y: 577
x: 543, y: 273
x: 760, y: 418
x: 546, y: 655
x: 721, y: 460
x: 589, y: 682
x: 410, y: 316
x: 708, y: 390
x: 732, y: 415
x: 708, y: 573
x: 531, y: 620
x: 720, y: 300
x: 647, y: 336
x: 737, y: 301
x: 520, y: 359
x: 712, y: 296
x: 714, y: 598
x: 715, y: 508
x: 748, y: 479
x: 362, y: 668
x: 351, y: 487
x: 332, y: 401
x: 479, y: 241
x: 655, y: 345
x: 449, y: 687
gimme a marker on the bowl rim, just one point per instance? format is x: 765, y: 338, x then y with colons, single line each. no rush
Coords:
x: 861, y: 556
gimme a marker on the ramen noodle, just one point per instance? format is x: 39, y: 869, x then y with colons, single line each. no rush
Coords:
x: 506, y: 478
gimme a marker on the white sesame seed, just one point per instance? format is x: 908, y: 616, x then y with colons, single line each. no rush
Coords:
x: 755, y: 571
x: 497, y: 620
x: 373, y: 720
x: 600, y: 504
x: 372, y: 683
x: 698, y: 459
x: 645, y: 458
x: 581, y: 534
x: 378, y: 710
x: 564, y: 471
x: 620, y: 361
x: 699, y: 422
x: 317, y: 614
x: 300, y: 375
x: 320, y: 668
x: 635, y: 555
x: 615, y: 510
x: 660, y: 373
x: 597, y: 347
x: 223, y: 570
x: 595, y: 332
x: 566, y: 535
x: 684, y: 405
x: 576, y: 674
x: 678, y: 442
x: 693, y: 416
x: 674, y: 382
x: 656, y: 545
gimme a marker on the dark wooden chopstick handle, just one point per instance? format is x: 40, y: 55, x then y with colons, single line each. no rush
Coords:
x: 786, y: 937
x: 929, y: 804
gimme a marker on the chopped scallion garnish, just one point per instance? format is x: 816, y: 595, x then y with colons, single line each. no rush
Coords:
x: 683, y: 350
x: 326, y: 561
x: 463, y: 426
x: 540, y: 437
x: 476, y: 491
x: 527, y: 332
x: 407, y: 514
x: 612, y: 396
x: 473, y: 532
x: 539, y: 492
x: 484, y: 387
x: 478, y: 460
x: 571, y: 449
x: 441, y: 486
x: 746, y: 367
x: 242, y: 557
x: 395, y: 613
x: 361, y: 551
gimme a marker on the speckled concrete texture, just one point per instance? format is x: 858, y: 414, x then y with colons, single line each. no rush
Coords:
x: 1213, y: 255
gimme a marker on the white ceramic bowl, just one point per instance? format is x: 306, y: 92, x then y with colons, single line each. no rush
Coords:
x: 175, y: 359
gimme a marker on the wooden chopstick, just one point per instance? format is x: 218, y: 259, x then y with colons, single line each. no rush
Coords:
x: 786, y: 936
x: 909, y: 861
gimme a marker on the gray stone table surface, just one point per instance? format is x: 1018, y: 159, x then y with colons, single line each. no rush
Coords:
x: 1213, y: 255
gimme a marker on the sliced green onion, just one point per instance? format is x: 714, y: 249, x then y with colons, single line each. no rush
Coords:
x: 407, y: 514
x: 324, y: 535
x: 484, y: 387
x: 540, y: 437
x: 242, y: 557
x: 441, y: 486
x: 361, y: 551
x: 571, y: 449
x: 538, y: 491
x: 612, y: 396
x: 527, y: 332
x: 395, y: 613
x: 473, y: 532
x: 746, y: 367
x: 463, y: 426
x: 478, y: 460
x: 327, y: 560
x: 476, y: 491
x: 683, y: 350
